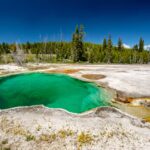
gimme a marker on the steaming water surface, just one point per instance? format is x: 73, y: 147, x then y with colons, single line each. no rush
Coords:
x: 51, y: 90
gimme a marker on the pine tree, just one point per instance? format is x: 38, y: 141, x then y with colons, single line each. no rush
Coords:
x: 109, y: 49
x: 141, y: 45
x: 135, y: 47
x: 120, y: 44
x: 77, y: 41
x: 104, y: 44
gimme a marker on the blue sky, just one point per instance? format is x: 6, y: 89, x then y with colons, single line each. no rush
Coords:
x: 36, y: 20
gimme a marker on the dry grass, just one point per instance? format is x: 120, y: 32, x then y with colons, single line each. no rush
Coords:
x: 38, y: 128
x: 61, y: 134
x: 65, y: 133
x: 30, y: 137
x: 85, y: 138
x: 47, y: 137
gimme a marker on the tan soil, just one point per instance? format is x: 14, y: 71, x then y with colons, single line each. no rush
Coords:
x: 66, y: 71
x: 93, y: 76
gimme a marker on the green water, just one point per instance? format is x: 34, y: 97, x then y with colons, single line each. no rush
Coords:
x: 51, y: 90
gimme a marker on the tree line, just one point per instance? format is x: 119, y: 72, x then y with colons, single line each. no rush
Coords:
x: 76, y: 51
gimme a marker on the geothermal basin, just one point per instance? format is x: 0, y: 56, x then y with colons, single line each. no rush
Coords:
x: 51, y: 90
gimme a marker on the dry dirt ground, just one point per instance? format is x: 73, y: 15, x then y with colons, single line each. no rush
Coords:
x: 103, y: 128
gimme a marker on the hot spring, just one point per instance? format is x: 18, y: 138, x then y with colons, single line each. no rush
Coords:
x: 51, y: 90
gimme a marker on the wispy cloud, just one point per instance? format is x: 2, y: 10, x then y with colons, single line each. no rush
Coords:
x: 126, y: 46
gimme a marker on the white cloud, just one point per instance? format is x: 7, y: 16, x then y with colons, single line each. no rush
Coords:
x: 126, y: 46
x: 147, y: 47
